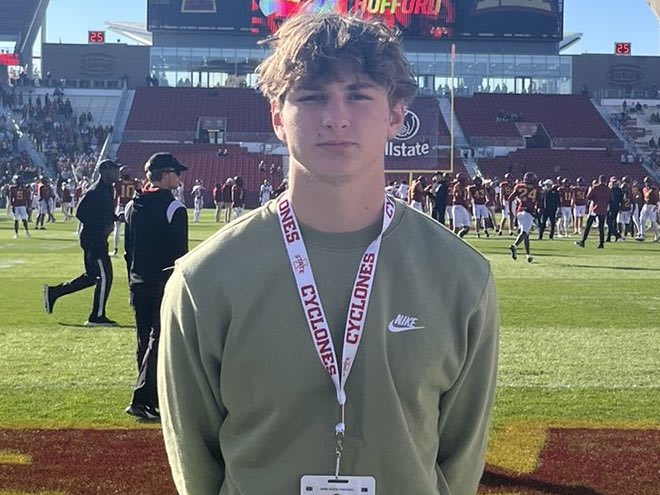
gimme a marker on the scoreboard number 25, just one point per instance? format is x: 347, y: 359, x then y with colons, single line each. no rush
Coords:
x: 622, y: 48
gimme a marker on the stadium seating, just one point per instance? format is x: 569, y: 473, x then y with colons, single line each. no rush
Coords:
x: 205, y: 164
x: 570, y: 120
x: 179, y: 109
x: 567, y: 163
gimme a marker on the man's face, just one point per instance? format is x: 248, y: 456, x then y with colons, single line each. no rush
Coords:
x: 337, y: 130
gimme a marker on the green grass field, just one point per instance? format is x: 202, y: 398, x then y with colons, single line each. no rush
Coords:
x: 580, y: 334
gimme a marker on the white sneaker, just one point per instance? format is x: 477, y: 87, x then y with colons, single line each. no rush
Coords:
x: 27, y: 234
x: 15, y: 236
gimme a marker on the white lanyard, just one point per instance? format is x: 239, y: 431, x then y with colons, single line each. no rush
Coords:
x: 313, y: 309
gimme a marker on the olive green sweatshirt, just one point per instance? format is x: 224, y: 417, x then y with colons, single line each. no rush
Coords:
x: 249, y: 409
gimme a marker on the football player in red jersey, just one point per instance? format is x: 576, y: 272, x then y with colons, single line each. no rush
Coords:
x: 528, y: 195
x: 124, y: 191
x: 478, y: 197
x: 649, y: 212
x: 44, y: 194
x: 625, y: 211
x: 19, y: 202
x: 565, y: 209
x: 579, y: 204
x: 599, y: 196
x: 506, y: 188
x: 461, y: 201
x: 67, y: 200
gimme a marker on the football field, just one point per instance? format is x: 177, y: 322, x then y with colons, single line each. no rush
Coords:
x: 578, y: 400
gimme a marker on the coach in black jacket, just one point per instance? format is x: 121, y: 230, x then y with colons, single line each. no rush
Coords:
x: 550, y: 200
x: 96, y: 212
x: 156, y: 235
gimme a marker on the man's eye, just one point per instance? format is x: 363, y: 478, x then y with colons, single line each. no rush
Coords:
x: 311, y: 98
x: 359, y: 96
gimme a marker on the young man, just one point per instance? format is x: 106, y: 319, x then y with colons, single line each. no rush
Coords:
x: 19, y: 202
x: 528, y: 195
x: 460, y: 200
x: 506, y: 188
x: 565, y: 198
x: 125, y: 189
x: 479, y: 197
x: 251, y: 396
x: 616, y: 202
x: 579, y: 204
x: 238, y: 196
x: 156, y: 235
x: 226, y: 198
x: 599, y: 197
x: 96, y: 213
x: 44, y: 193
x: 625, y: 212
x: 198, y: 192
x: 550, y: 201
x: 265, y: 192
x: 649, y: 211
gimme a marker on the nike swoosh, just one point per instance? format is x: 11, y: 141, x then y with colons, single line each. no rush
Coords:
x: 395, y: 329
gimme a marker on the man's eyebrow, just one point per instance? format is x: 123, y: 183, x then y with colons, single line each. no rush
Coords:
x: 351, y: 87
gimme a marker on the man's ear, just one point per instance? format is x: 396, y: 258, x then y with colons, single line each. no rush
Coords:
x: 397, y: 114
x: 277, y: 119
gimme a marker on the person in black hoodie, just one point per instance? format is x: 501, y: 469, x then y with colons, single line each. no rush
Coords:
x: 156, y: 235
x: 550, y: 201
x: 613, y: 211
x: 96, y: 213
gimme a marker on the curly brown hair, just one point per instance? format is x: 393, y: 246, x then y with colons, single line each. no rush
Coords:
x: 316, y: 47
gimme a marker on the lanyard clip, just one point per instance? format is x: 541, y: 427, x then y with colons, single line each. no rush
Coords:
x: 340, y: 429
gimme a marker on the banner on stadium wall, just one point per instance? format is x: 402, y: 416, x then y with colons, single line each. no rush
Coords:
x: 9, y: 59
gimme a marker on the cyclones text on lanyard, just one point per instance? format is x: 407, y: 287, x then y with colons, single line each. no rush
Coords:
x: 313, y: 308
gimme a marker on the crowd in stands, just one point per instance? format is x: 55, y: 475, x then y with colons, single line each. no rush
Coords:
x: 70, y: 143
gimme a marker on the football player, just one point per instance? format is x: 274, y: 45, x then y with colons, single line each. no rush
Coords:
x: 198, y: 191
x: 506, y: 188
x: 649, y: 212
x: 625, y: 212
x: 124, y: 191
x: 579, y: 204
x: 478, y: 197
x: 461, y: 200
x: 565, y: 209
x: 19, y: 201
x: 528, y: 195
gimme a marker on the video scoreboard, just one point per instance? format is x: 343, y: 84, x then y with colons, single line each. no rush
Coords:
x: 416, y: 19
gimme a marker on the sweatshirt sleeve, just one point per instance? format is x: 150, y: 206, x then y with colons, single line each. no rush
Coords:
x: 465, y: 409
x: 191, y: 408
x: 179, y: 229
x: 84, y: 210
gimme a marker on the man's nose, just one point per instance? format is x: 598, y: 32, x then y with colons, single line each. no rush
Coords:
x: 336, y: 115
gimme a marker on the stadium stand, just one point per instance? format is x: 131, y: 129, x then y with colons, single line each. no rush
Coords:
x: 491, y: 119
x: 206, y: 164
x: 550, y: 163
x: 178, y: 110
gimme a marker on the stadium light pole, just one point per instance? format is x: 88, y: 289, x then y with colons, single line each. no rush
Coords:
x: 451, y: 123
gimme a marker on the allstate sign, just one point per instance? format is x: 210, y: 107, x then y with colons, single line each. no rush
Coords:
x: 407, y: 131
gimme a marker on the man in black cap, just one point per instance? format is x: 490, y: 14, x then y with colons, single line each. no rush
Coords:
x: 156, y: 235
x: 96, y: 213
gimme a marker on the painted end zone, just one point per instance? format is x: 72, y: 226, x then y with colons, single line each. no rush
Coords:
x: 532, y: 460
x: 86, y: 462
x: 525, y: 458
